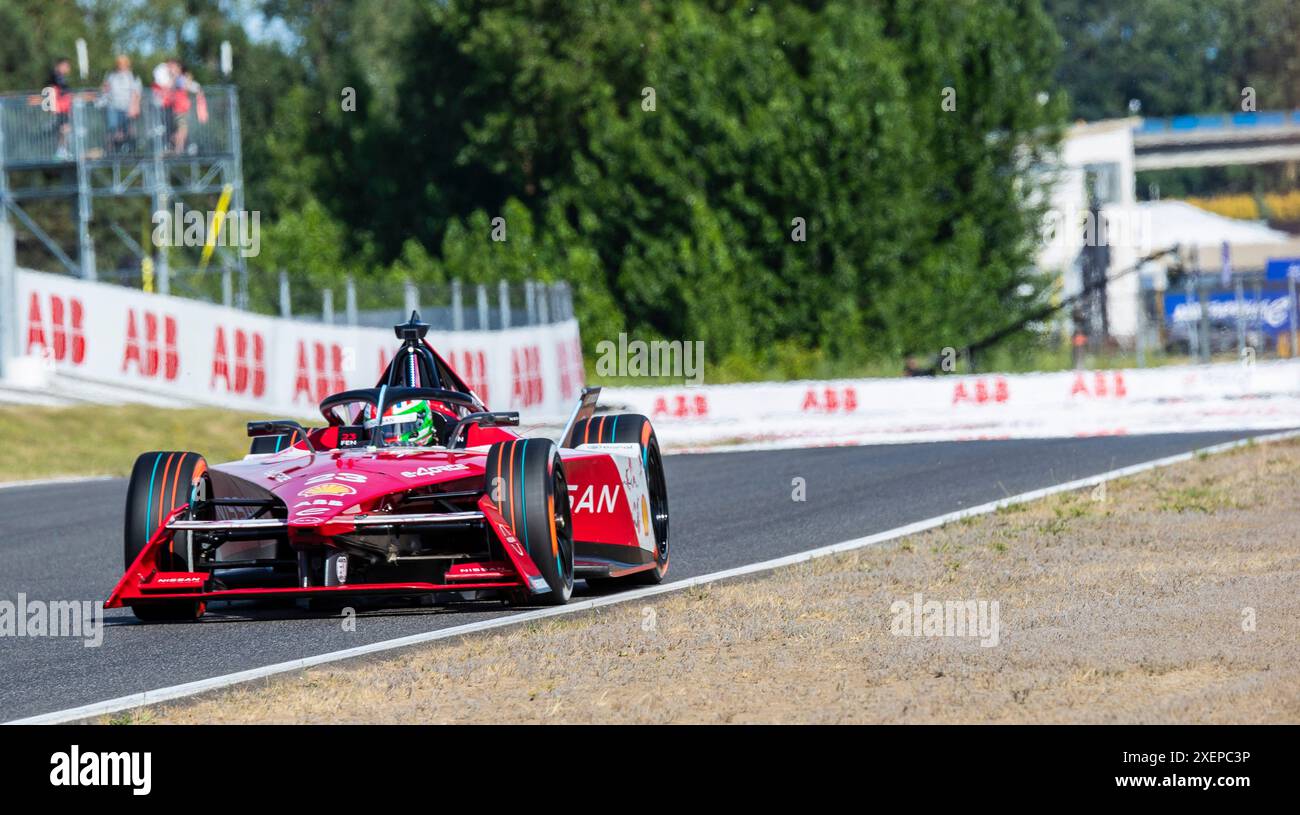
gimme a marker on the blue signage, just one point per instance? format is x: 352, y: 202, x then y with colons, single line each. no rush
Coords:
x: 1271, y: 313
x: 1282, y: 269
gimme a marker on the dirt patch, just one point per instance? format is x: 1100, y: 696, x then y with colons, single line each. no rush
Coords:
x: 1167, y: 597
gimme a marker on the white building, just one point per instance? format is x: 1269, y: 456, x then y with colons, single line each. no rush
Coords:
x: 1100, y: 155
x: 1101, y: 151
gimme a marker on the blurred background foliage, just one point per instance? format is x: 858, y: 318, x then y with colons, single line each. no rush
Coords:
x: 677, y: 221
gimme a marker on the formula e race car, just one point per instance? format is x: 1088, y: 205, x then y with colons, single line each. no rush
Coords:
x: 412, y: 489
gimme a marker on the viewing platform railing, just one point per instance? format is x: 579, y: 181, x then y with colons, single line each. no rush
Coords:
x: 30, y: 129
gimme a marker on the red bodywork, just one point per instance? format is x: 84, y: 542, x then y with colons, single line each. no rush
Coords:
x: 325, y: 501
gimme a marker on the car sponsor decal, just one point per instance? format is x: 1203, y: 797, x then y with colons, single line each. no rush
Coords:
x: 423, y: 472
x: 182, y: 581
x: 351, y: 478
x: 591, y: 501
x: 329, y: 488
x: 510, y: 539
x: 319, y: 502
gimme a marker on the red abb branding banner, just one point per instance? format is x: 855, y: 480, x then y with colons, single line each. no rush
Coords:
x: 208, y: 354
x: 1263, y: 395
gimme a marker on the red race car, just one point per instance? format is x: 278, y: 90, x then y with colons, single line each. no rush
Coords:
x: 413, y: 488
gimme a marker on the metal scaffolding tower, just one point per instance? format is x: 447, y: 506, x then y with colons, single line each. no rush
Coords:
x: 91, y: 162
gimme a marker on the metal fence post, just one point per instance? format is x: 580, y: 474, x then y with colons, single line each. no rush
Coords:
x: 227, y: 287
x: 457, y: 306
x: 151, y: 116
x: 411, y: 298
x: 543, y: 303
x: 481, y: 293
x: 8, y: 296
x: 86, y: 244
x: 503, y: 302
x: 1241, y: 317
x: 1295, y: 330
x: 286, y: 308
x: 237, y: 193
x: 1203, y: 295
x: 350, y: 300
x: 530, y: 303
x: 327, y: 306
x: 1141, y: 326
x: 1259, y: 307
x: 566, y: 294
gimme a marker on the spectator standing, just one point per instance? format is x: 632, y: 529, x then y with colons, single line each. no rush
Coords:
x: 62, y: 104
x: 163, y: 80
x: 122, y: 91
x: 183, y: 85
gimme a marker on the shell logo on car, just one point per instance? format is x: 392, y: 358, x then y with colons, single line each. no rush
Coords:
x: 329, y: 488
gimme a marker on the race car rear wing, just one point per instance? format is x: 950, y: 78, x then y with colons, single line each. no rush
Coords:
x: 292, y: 431
x: 585, y: 409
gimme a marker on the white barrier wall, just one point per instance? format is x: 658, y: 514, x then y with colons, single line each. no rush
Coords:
x: 192, y: 351
x: 106, y: 337
x: 1230, y: 396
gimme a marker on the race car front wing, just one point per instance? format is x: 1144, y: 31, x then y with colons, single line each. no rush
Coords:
x: 145, y: 582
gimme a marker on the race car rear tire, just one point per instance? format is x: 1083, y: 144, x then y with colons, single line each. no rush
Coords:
x: 633, y: 428
x: 160, y: 482
x: 525, y: 479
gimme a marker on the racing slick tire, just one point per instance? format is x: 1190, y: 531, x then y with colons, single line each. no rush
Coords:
x: 525, y: 479
x: 161, y: 482
x: 633, y: 428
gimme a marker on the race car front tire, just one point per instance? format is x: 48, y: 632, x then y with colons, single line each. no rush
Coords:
x: 161, y: 482
x: 525, y: 479
x: 169, y: 611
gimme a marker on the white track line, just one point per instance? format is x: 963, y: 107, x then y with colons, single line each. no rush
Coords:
x: 190, y: 688
x: 49, y: 482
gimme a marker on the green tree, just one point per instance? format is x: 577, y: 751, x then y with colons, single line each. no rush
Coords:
x: 917, y: 230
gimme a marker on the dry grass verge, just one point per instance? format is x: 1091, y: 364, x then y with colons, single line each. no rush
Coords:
x: 1126, y: 606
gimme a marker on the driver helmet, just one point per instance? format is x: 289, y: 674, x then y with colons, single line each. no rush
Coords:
x: 409, y: 423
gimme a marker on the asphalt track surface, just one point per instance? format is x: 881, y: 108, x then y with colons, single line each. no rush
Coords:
x: 63, y: 542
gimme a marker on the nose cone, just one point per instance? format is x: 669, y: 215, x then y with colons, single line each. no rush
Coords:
x: 313, y: 511
x: 317, y: 499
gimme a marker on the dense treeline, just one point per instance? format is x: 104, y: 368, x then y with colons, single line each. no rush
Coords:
x: 1172, y: 57
x: 1177, y: 56
x: 837, y: 180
